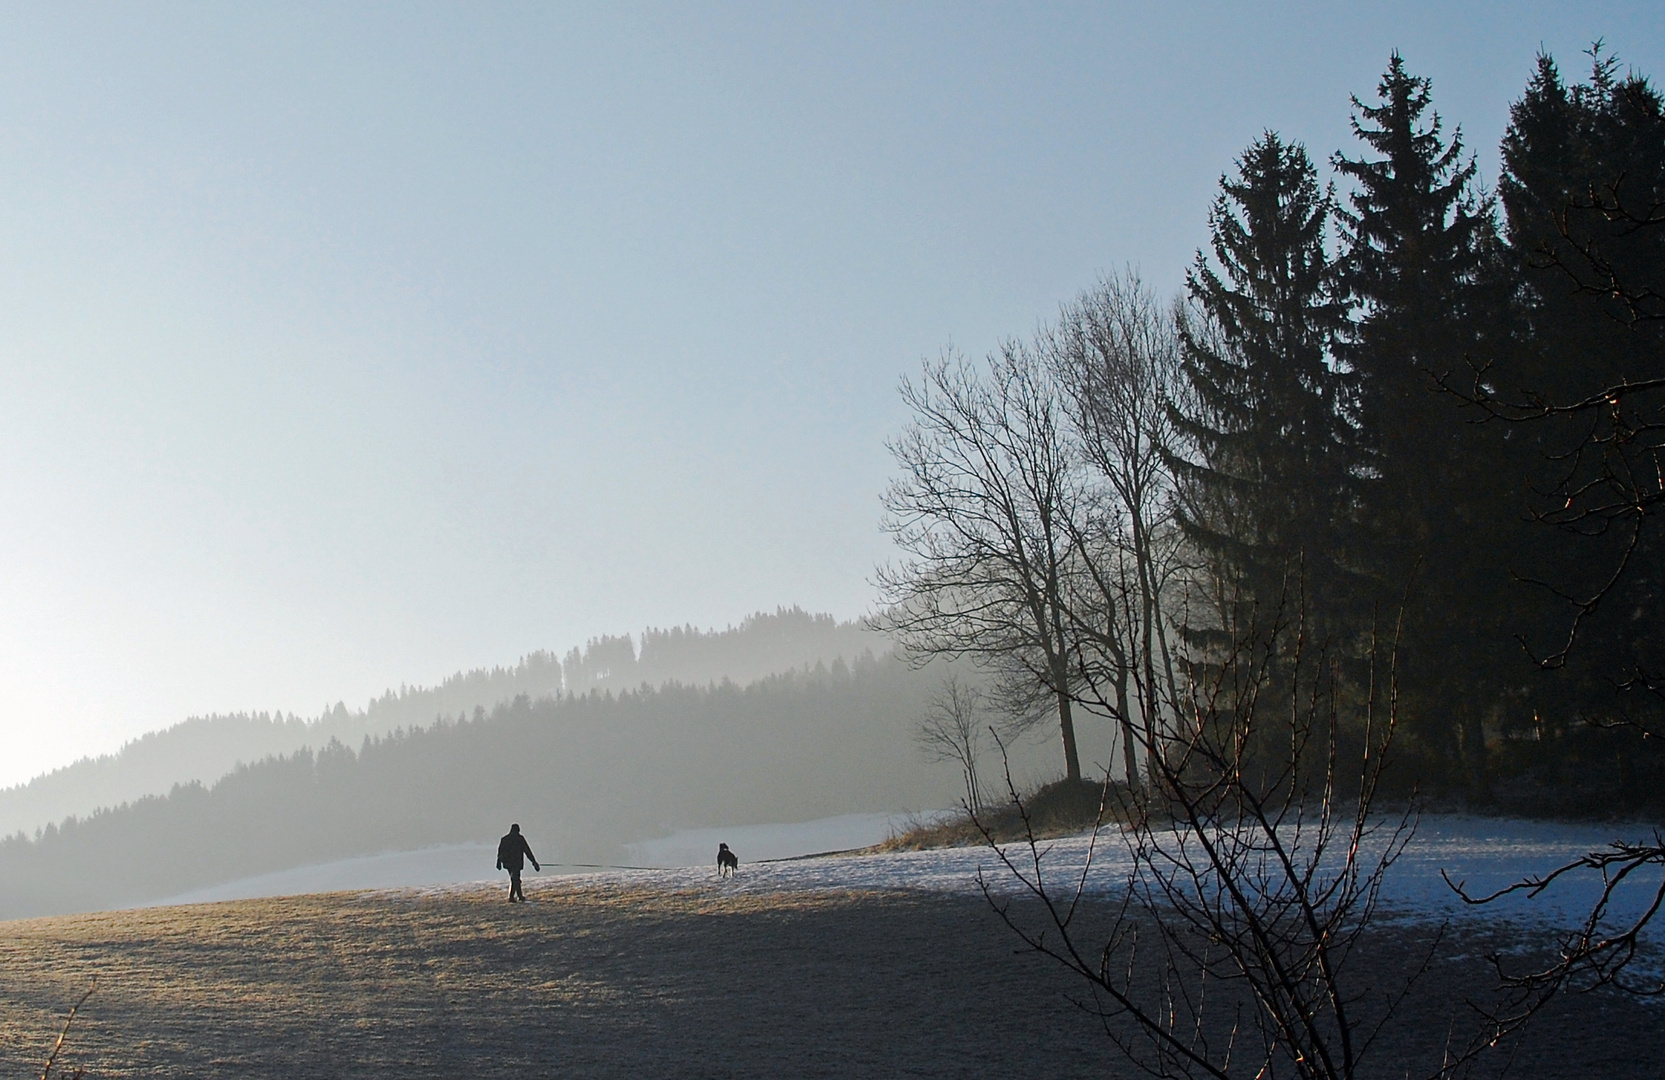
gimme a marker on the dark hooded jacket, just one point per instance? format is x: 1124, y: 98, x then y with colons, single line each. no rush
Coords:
x: 513, y: 851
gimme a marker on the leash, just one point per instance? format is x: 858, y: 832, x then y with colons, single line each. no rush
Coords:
x: 755, y: 862
x: 609, y: 866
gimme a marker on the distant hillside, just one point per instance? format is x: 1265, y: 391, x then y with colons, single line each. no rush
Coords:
x: 583, y: 774
x: 203, y: 749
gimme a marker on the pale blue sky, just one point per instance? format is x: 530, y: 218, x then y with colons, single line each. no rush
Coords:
x: 351, y: 346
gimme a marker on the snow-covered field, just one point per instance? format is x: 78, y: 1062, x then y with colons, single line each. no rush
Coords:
x: 1486, y: 853
x: 695, y: 847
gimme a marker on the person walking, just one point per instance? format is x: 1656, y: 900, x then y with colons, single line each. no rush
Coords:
x: 512, y: 853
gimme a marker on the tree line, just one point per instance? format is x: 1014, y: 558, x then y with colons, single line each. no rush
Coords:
x: 204, y: 748
x: 1396, y: 420
x: 1367, y: 511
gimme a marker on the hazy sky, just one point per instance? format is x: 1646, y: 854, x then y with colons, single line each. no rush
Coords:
x: 351, y: 347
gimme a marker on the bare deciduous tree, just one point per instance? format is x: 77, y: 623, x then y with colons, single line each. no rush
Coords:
x: 952, y: 729
x: 1035, y: 511
x: 1117, y: 354
x: 982, y: 512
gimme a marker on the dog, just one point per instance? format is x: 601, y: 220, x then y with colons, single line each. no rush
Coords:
x: 727, y: 861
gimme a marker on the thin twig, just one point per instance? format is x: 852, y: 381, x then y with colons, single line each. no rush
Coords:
x: 58, y: 1046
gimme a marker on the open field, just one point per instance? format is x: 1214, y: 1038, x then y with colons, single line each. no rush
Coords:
x: 586, y: 982
x: 663, y: 974
x: 608, y: 982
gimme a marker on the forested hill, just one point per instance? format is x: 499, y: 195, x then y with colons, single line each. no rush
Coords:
x: 203, y: 749
x: 762, y: 645
x: 583, y: 774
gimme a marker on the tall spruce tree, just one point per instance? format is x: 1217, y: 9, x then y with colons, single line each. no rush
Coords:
x: 1583, y: 168
x: 1420, y: 268
x: 1271, y: 476
x: 1584, y: 175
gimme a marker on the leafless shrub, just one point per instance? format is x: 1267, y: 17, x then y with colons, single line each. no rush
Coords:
x: 1116, y: 357
x: 1257, y: 864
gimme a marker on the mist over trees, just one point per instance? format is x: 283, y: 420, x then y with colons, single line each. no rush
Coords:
x: 762, y: 645
x: 1391, y: 399
x: 583, y: 774
x: 202, y: 749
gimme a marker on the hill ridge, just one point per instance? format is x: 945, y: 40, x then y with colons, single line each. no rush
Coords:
x: 204, y: 749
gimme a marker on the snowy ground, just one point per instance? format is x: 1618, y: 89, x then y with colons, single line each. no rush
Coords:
x: 1485, y: 853
x: 696, y: 847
